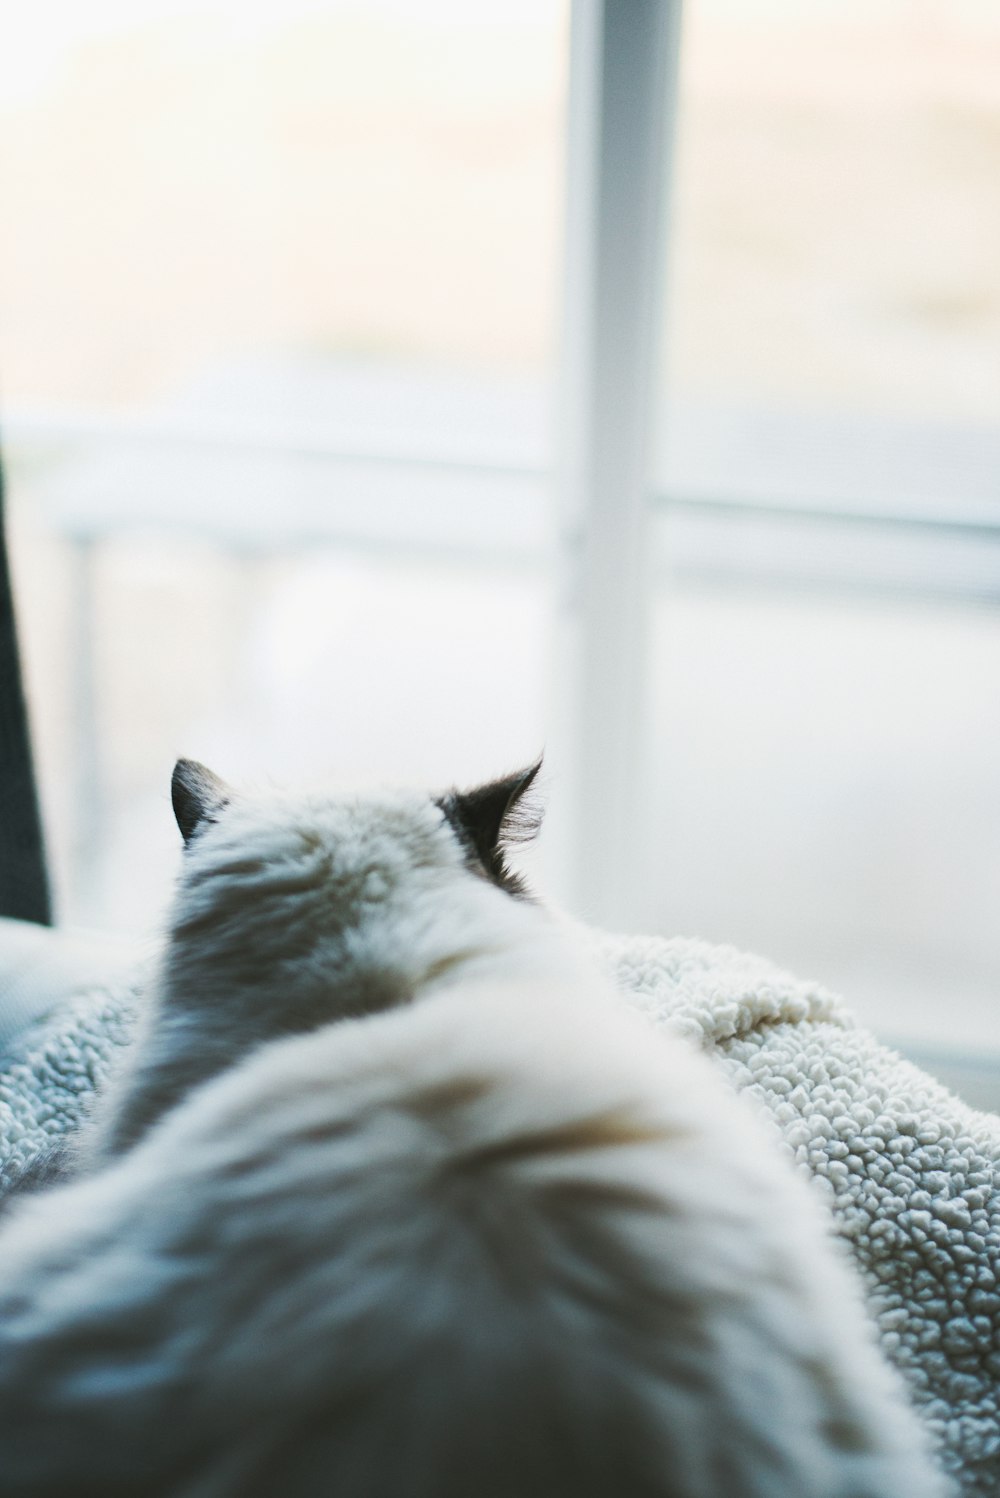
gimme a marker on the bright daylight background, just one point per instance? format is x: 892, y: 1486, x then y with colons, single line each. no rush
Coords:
x: 279, y: 326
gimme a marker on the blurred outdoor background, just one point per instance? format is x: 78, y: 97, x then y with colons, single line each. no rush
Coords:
x: 280, y: 300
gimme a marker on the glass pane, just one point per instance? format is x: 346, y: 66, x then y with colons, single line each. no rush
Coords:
x: 192, y: 186
x: 277, y: 312
x: 337, y: 667
x: 826, y: 793
x: 826, y: 694
x: 833, y: 318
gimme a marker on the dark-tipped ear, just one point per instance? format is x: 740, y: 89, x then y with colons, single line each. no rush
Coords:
x: 197, y: 795
x: 490, y: 818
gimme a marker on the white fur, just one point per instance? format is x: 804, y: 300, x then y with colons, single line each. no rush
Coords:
x: 502, y: 1240
x: 296, y: 910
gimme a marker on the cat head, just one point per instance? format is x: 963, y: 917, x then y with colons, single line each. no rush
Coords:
x: 357, y: 893
x: 487, y: 820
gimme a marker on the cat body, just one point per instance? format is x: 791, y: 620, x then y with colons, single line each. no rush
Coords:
x: 394, y: 1200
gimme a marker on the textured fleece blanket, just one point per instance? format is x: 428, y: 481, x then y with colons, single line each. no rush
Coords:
x: 911, y: 1174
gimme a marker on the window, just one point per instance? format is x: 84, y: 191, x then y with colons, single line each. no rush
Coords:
x: 321, y: 466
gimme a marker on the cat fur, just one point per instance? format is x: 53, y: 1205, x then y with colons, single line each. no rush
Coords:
x: 395, y: 1200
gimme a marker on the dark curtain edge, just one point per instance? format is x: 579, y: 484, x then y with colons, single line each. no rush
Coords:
x: 24, y: 883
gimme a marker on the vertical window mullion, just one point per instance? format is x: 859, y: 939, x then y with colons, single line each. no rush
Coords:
x: 623, y: 84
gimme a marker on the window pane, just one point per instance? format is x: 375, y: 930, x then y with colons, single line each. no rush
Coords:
x: 826, y: 792
x: 834, y: 309
x: 277, y: 313
x: 187, y: 185
x: 826, y: 692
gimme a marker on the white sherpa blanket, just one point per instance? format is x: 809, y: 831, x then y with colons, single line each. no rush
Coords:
x: 912, y: 1175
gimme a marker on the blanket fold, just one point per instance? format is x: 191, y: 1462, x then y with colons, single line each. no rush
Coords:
x: 911, y: 1174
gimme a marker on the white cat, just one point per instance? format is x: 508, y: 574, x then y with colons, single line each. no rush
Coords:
x: 466, y: 1227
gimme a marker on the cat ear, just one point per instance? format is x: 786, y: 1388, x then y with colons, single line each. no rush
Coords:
x: 490, y: 818
x: 197, y: 795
